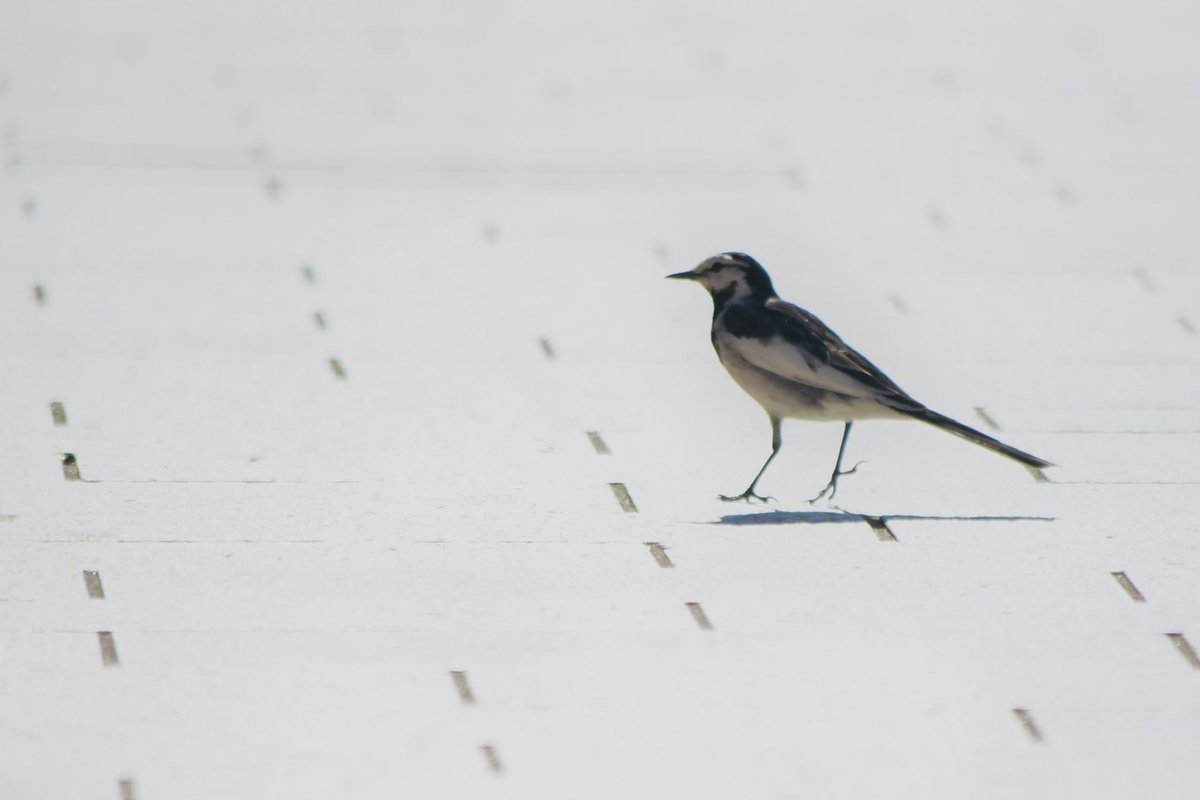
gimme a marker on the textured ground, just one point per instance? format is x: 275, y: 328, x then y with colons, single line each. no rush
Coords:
x: 393, y: 460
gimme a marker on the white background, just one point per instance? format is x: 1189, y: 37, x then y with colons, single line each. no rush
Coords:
x: 996, y: 202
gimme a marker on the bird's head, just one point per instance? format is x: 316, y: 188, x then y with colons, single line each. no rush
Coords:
x: 730, y: 276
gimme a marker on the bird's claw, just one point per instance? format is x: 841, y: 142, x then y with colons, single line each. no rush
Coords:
x: 747, y: 495
x: 831, y: 487
x: 852, y: 470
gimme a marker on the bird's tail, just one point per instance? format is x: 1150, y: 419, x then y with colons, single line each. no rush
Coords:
x: 979, y: 438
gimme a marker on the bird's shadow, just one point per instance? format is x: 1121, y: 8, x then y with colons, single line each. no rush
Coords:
x: 778, y: 517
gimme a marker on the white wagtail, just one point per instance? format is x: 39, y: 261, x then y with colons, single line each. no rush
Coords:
x: 797, y: 368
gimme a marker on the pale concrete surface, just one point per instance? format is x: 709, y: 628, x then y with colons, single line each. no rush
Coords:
x: 331, y: 296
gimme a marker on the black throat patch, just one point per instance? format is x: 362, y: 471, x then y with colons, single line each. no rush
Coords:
x: 722, y: 297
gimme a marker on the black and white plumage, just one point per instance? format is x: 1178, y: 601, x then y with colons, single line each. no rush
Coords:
x: 795, y: 367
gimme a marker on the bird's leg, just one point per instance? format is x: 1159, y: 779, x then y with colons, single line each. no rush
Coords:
x: 749, y: 496
x: 831, y: 487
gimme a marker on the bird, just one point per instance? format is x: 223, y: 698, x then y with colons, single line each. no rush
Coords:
x: 796, y: 367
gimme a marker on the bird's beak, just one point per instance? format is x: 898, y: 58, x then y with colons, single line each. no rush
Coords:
x: 685, y: 276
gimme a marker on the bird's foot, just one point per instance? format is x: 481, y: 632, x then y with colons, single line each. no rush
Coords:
x: 749, y: 496
x: 831, y: 487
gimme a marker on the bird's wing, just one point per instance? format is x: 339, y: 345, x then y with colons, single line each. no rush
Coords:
x: 794, y: 344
